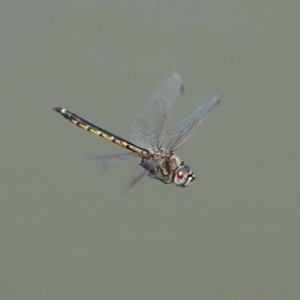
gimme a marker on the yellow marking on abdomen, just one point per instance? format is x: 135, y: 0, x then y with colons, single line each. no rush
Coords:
x: 83, y: 126
x: 94, y: 131
x: 107, y: 137
x: 121, y: 143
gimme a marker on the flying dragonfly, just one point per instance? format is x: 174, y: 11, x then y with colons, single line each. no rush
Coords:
x: 149, y: 139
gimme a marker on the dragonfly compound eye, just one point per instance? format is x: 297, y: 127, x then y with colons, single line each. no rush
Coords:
x: 184, y: 176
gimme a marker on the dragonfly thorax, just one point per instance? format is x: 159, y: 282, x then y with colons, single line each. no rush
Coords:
x: 167, y: 167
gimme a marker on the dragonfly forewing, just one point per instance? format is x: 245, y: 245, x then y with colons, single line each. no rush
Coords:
x: 149, y: 127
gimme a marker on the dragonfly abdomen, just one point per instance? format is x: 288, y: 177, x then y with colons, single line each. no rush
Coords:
x: 87, y: 125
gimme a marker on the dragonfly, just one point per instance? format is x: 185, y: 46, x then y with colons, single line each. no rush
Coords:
x: 150, y: 141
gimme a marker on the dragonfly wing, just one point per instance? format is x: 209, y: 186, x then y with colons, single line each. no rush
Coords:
x: 181, y: 131
x: 110, y: 161
x: 149, y: 127
x: 137, y: 176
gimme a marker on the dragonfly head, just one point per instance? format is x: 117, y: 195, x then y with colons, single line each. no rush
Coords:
x: 184, y: 176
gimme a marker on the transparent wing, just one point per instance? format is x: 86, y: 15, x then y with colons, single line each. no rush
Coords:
x: 137, y: 176
x: 149, y: 127
x: 110, y: 161
x: 180, y: 132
